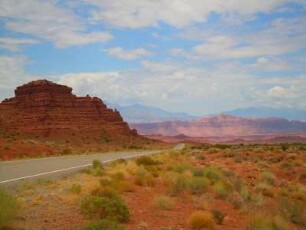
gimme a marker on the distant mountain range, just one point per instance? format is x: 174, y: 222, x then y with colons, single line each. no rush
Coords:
x: 287, y: 113
x: 223, y: 125
x: 138, y: 113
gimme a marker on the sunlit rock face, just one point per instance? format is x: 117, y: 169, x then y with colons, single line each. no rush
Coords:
x: 47, y: 109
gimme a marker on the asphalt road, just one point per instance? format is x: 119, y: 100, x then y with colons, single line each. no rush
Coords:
x: 51, y: 167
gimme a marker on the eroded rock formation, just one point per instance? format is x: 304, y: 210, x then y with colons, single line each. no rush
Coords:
x: 44, y: 108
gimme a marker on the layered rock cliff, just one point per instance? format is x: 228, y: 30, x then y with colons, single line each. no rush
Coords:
x: 223, y: 125
x: 43, y: 108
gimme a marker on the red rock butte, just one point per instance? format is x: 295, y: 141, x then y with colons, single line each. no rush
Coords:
x: 43, y: 108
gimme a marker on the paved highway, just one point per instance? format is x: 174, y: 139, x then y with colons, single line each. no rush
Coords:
x: 17, y: 170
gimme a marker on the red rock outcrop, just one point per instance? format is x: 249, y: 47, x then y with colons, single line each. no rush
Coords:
x: 43, y: 108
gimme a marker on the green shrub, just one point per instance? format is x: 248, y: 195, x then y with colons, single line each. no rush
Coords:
x: 164, y: 202
x: 97, y: 164
x: 179, y: 185
x: 75, y: 188
x: 198, y: 185
x: 197, y: 172
x: 259, y: 221
x: 143, y: 177
x: 222, y: 189
x: 182, y: 167
x: 201, y: 220
x: 106, y: 224
x: 293, y: 210
x: 267, y: 177
x: 105, y: 207
x: 265, y: 189
x: 213, y: 173
x: 146, y: 160
x: 218, y: 216
x: 8, y: 208
x: 244, y: 192
x: 118, y: 176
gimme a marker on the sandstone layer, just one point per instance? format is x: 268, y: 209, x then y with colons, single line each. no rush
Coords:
x: 45, y: 109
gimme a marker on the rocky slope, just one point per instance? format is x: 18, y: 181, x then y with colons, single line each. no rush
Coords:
x: 223, y: 125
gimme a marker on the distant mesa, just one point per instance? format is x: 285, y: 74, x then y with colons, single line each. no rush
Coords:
x: 43, y: 108
x: 225, y: 128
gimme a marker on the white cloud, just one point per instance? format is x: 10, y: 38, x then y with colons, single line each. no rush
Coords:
x: 177, y: 87
x: 46, y: 20
x: 270, y: 64
x: 13, y: 44
x: 281, y: 36
x: 177, y: 13
x: 119, y: 52
x: 277, y: 91
x: 12, y: 74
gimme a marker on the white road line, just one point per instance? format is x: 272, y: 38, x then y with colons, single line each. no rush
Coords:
x: 67, y: 169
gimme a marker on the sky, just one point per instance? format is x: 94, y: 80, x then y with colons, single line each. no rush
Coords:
x: 194, y: 56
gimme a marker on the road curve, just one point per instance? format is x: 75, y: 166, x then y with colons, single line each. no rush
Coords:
x: 49, y: 167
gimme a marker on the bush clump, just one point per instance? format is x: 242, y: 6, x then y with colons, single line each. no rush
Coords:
x: 198, y: 185
x: 8, y: 208
x: 164, y: 202
x: 106, y: 224
x: 201, y: 220
x: 75, y: 189
x: 146, y: 160
x: 105, y: 207
x: 218, y: 216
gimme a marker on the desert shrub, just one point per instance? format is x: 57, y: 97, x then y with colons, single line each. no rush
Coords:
x: 264, y: 189
x: 267, y: 177
x: 97, y: 164
x: 182, y: 167
x: 244, y: 192
x: 119, y: 161
x: 75, y: 188
x: 198, y: 185
x: 200, y: 157
x: 197, y: 172
x: 236, y: 200
x: 218, y: 216
x: 118, y: 176
x: 124, y: 186
x: 106, y: 224
x: 143, y: 177
x: 67, y: 151
x: 179, y: 185
x: 201, y: 220
x: 238, y: 158
x: 146, y: 160
x: 105, y: 182
x: 8, y: 208
x: 96, y: 170
x: 257, y: 199
x: 259, y: 221
x: 106, y: 191
x: 213, y: 173
x: 105, y: 207
x: 280, y: 223
x: 164, y: 202
x: 222, y: 189
x: 293, y: 210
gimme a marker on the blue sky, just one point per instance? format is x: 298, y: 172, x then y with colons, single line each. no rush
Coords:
x: 194, y: 56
